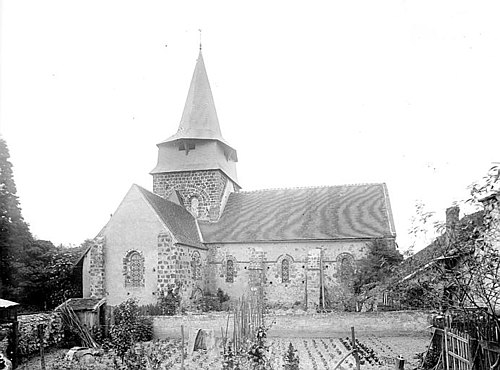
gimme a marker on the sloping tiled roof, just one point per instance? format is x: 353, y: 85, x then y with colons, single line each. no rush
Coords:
x: 321, y: 213
x: 178, y: 220
x: 83, y: 304
x: 438, y: 248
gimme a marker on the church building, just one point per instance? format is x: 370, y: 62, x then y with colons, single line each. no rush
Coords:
x: 199, y: 231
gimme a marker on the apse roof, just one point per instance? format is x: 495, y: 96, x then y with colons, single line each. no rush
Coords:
x: 318, y: 213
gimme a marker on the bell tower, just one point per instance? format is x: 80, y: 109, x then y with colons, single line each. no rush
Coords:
x: 197, y: 162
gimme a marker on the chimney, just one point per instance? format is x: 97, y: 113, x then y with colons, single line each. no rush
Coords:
x: 452, y: 218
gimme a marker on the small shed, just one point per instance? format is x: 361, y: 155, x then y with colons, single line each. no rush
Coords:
x: 8, y: 311
x: 8, y: 316
x: 90, y: 311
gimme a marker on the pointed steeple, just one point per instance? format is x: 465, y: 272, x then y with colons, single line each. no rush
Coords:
x: 198, y: 129
x: 199, y: 118
x: 196, y: 161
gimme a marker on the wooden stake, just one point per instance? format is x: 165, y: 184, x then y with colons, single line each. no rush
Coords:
x: 355, y: 349
x: 40, y: 338
x: 15, y: 343
x: 182, y: 347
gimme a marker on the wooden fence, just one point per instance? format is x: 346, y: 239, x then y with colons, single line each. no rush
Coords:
x: 456, y: 352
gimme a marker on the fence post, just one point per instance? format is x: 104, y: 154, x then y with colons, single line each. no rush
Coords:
x: 400, y: 363
x: 15, y: 343
x: 445, y: 349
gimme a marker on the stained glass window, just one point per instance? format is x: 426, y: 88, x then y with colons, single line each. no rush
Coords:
x: 230, y: 271
x: 285, y: 271
x: 196, y: 266
x: 194, y: 206
x: 136, y: 269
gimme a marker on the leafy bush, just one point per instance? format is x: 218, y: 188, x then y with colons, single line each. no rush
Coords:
x: 129, y: 327
x: 170, y: 302
x: 210, y: 302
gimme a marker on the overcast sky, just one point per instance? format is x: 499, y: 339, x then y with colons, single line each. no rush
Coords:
x: 309, y: 93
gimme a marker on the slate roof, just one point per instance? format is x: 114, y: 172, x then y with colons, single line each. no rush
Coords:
x: 199, y: 119
x: 178, y: 220
x: 320, y: 213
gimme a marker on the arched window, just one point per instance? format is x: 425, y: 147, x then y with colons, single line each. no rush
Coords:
x: 196, y: 266
x: 230, y: 271
x: 285, y: 271
x: 346, y: 267
x: 195, y: 202
x: 134, y: 269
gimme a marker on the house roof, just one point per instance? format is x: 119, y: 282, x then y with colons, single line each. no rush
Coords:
x: 199, y: 118
x: 318, y: 213
x: 4, y: 303
x: 438, y: 249
x: 178, y: 220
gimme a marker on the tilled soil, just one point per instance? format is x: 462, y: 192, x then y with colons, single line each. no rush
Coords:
x: 315, y: 353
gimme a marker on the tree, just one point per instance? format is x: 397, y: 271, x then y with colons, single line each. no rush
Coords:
x: 463, y: 271
x: 374, y: 270
x: 14, y: 232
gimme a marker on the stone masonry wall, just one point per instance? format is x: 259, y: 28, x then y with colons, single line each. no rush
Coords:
x: 313, y: 277
x: 166, y: 262
x: 97, y: 272
x: 304, y: 272
x: 28, y: 333
x: 207, y: 185
x: 289, y: 325
x: 181, y: 266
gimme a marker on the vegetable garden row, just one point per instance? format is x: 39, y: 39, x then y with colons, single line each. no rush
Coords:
x: 313, y: 353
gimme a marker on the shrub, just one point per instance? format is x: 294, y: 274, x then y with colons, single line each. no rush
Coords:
x: 171, y: 302
x: 129, y: 327
x: 291, y: 358
x: 210, y: 302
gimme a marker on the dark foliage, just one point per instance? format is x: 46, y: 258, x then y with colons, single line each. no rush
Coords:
x: 377, y: 266
x: 130, y: 327
x: 171, y: 301
x: 210, y: 302
x: 291, y: 358
x: 14, y: 232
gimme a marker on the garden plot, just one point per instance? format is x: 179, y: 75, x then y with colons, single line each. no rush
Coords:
x: 377, y: 352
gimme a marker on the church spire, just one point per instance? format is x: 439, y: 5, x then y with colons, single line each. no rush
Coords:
x: 199, y: 119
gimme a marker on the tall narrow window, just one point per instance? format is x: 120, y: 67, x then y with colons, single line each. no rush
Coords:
x: 230, y: 271
x: 346, y: 268
x: 285, y: 271
x: 194, y: 206
x: 136, y: 270
x: 196, y: 266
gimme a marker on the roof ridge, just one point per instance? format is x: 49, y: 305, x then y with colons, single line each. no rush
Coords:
x: 312, y: 187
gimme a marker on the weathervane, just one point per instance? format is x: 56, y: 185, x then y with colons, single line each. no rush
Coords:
x: 199, y: 30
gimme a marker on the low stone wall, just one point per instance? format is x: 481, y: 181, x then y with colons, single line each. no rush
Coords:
x: 294, y: 324
x: 28, y: 331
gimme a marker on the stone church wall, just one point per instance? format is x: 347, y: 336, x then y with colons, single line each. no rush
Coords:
x: 208, y: 186
x: 181, y: 266
x: 303, y: 281
x: 132, y: 230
